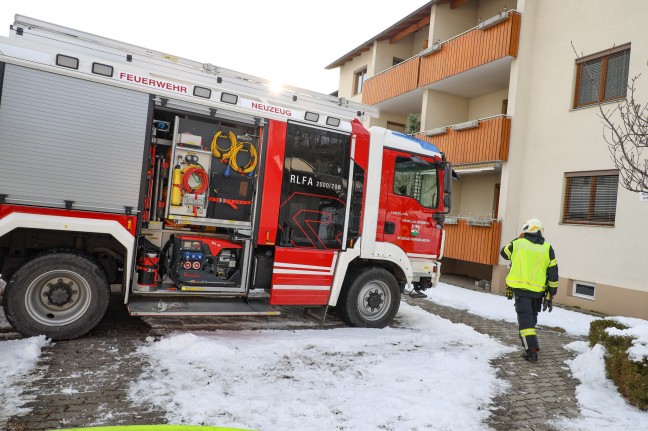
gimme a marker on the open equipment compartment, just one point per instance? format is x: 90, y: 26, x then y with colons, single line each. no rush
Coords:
x: 200, y: 190
x: 213, y: 173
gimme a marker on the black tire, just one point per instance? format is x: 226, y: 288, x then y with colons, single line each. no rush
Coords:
x: 370, y: 298
x: 61, y: 295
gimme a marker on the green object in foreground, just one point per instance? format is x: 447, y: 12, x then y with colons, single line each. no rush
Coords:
x: 155, y: 428
x: 630, y: 377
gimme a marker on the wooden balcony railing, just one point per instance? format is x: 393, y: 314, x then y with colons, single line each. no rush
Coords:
x: 478, y: 244
x: 464, y: 52
x: 392, y: 82
x: 489, y: 141
x: 473, y: 48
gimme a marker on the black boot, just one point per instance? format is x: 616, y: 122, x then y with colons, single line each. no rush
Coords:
x: 531, y: 355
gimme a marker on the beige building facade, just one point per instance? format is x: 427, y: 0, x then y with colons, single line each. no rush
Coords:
x: 508, y: 90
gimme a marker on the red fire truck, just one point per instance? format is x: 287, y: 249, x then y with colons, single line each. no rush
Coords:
x: 199, y: 190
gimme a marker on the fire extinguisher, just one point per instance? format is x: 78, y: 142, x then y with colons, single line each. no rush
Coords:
x: 176, y: 193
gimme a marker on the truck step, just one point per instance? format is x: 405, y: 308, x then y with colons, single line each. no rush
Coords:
x: 143, y: 306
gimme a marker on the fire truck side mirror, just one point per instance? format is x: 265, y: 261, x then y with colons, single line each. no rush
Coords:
x: 447, y: 179
x: 446, y: 203
x: 448, y: 175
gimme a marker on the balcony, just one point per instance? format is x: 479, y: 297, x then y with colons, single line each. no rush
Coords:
x: 392, y: 82
x: 469, y: 50
x: 484, y: 140
x: 473, y: 242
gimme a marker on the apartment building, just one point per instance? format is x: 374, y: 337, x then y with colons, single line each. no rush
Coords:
x: 508, y: 90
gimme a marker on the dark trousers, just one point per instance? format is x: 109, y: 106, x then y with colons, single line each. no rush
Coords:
x: 527, y: 309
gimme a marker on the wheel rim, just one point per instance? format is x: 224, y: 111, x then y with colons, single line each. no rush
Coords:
x: 57, y: 298
x: 374, y: 300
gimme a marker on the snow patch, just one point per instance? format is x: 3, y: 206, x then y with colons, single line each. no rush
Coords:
x: 17, y: 359
x: 638, y: 330
x: 602, y: 407
x: 427, y: 373
x: 499, y: 308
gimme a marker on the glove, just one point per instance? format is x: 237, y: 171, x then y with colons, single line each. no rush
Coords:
x: 547, y: 303
x: 509, y: 293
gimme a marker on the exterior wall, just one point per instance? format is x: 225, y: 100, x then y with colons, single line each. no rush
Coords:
x: 611, y: 300
x: 457, y: 191
x: 441, y: 109
x: 420, y: 38
x: 477, y: 195
x: 448, y: 23
x: 487, y: 105
x: 549, y: 139
x: 347, y: 73
x: 490, y: 8
x: 385, y: 117
x: 513, y: 169
x: 386, y: 52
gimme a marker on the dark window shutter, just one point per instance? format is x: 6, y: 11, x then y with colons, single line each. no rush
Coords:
x: 605, y: 198
x: 591, y: 199
x: 616, y: 80
x: 590, y: 81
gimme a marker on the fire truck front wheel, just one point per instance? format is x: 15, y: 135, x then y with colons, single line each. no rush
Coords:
x: 61, y: 295
x: 370, y: 299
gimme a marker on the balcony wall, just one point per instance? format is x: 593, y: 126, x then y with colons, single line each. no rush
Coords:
x: 471, y: 49
x: 479, y: 244
x: 464, y: 52
x: 487, y: 142
x: 392, y: 82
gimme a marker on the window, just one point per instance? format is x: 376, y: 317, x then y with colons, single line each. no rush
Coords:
x: 418, y: 182
x: 602, y: 77
x: 314, y: 190
x: 590, y: 198
x: 396, y: 61
x: 358, y: 80
x: 583, y: 289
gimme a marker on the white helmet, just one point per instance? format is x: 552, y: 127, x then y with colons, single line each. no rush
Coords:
x: 533, y: 225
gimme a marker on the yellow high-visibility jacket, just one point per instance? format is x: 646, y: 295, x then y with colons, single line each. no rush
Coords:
x: 533, y: 264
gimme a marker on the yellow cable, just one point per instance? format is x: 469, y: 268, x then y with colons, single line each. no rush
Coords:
x: 223, y: 154
x: 251, y: 165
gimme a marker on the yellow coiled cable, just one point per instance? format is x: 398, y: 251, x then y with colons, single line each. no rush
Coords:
x: 224, y: 154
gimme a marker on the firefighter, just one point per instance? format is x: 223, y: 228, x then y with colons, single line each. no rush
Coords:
x: 532, y: 280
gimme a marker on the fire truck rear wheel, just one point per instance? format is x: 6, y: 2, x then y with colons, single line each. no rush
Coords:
x: 371, y: 299
x: 61, y: 295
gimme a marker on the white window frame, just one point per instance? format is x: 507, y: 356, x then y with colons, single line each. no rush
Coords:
x: 584, y: 283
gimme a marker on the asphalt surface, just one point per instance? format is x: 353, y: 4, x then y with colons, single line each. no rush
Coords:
x: 84, y: 382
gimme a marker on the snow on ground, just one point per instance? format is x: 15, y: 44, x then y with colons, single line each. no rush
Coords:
x: 17, y: 359
x: 499, y: 308
x: 428, y: 373
x: 602, y: 407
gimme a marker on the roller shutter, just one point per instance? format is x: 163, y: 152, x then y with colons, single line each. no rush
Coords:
x: 65, y: 138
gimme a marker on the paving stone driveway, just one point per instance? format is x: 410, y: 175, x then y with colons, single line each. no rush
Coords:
x: 84, y: 382
x: 540, y: 392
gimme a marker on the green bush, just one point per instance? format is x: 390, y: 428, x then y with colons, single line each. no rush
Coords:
x: 413, y: 124
x: 630, y: 377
